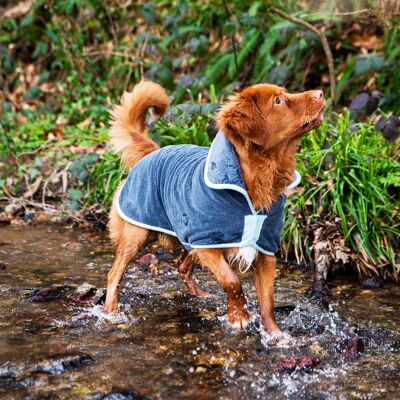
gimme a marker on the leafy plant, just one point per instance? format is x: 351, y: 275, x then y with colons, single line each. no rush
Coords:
x: 66, y: 62
x: 360, y: 188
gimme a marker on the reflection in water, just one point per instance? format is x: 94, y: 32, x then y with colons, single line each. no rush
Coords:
x: 56, y: 342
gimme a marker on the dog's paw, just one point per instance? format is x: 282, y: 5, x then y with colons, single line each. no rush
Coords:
x: 110, y: 307
x: 238, y: 318
x: 279, y: 339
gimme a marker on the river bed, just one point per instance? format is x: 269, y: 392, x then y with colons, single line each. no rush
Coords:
x: 56, y: 343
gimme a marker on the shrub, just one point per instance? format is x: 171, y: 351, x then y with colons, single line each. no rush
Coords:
x: 359, y: 186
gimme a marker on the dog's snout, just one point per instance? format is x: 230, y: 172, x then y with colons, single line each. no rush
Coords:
x: 318, y: 94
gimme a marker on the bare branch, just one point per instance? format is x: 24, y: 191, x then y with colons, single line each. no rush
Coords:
x: 19, y: 10
x: 324, y: 42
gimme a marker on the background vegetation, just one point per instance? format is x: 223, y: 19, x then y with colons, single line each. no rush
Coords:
x: 63, y: 63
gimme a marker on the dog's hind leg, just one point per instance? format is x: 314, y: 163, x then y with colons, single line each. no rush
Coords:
x: 185, y: 263
x: 130, y: 239
x: 185, y: 268
x: 237, y: 313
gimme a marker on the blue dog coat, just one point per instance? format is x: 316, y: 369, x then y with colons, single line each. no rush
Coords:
x: 198, y: 194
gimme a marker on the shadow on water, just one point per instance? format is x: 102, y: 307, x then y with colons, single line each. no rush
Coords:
x: 56, y: 343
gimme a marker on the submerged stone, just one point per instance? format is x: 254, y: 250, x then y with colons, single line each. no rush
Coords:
x: 47, y: 294
x: 372, y: 283
x: 63, y: 363
x: 305, y: 363
x: 147, y: 260
x: 88, y: 294
x: 123, y: 395
x: 351, y: 348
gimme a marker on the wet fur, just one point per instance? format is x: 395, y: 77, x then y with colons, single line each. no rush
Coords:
x: 266, y: 147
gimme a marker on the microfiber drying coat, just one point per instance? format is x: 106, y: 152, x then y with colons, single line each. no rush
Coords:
x: 198, y: 194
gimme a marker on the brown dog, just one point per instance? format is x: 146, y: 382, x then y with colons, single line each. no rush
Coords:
x: 264, y: 123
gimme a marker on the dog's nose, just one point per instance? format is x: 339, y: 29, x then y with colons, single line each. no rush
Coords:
x: 318, y: 94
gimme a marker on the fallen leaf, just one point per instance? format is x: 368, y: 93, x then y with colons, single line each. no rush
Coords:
x: 366, y: 42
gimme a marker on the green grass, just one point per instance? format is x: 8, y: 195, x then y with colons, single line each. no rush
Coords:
x: 350, y: 175
x: 201, y: 52
x: 359, y: 188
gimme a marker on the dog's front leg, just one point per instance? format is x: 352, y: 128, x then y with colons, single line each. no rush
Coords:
x: 264, y: 278
x: 214, y: 260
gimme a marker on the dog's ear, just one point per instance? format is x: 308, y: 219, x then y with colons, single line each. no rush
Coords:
x: 242, y: 117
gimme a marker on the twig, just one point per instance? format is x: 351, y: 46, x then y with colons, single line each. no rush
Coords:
x: 324, y: 42
x: 141, y: 56
x: 18, y: 11
x: 24, y: 202
x: 351, y: 13
x: 43, y: 146
x: 370, y: 12
x: 46, y: 182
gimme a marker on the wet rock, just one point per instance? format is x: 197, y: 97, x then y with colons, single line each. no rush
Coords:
x: 4, y: 218
x: 351, y: 348
x: 64, y: 363
x: 28, y: 216
x: 372, y: 283
x: 163, y: 255
x: 123, y: 395
x: 9, y: 374
x: 390, y: 127
x: 12, y: 208
x: 364, y: 104
x: 147, y: 260
x: 36, y: 380
x: 319, y: 291
x: 219, y: 358
x: 84, y: 291
x: 396, y: 346
x: 304, y: 363
x: 47, y: 294
x: 8, y: 371
x: 17, y: 222
x: 89, y: 294
x: 285, y: 310
x: 38, y: 328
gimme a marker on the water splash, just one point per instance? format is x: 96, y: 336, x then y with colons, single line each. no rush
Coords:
x: 165, y: 344
x: 100, y: 317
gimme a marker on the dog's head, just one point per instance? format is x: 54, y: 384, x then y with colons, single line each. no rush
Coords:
x: 267, y: 115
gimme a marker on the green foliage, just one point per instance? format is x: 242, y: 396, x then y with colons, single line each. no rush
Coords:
x: 390, y: 81
x: 104, y: 179
x: 360, y: 188
x: 87, y: 53
x: 101, y: 44
x: 193, y: 131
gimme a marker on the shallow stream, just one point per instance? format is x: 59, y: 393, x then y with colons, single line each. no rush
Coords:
x: 56, y: 343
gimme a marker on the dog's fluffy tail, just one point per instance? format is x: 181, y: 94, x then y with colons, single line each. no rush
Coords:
x: 128, y: 121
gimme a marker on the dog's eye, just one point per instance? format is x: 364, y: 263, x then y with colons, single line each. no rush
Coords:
x: 278, y: 101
